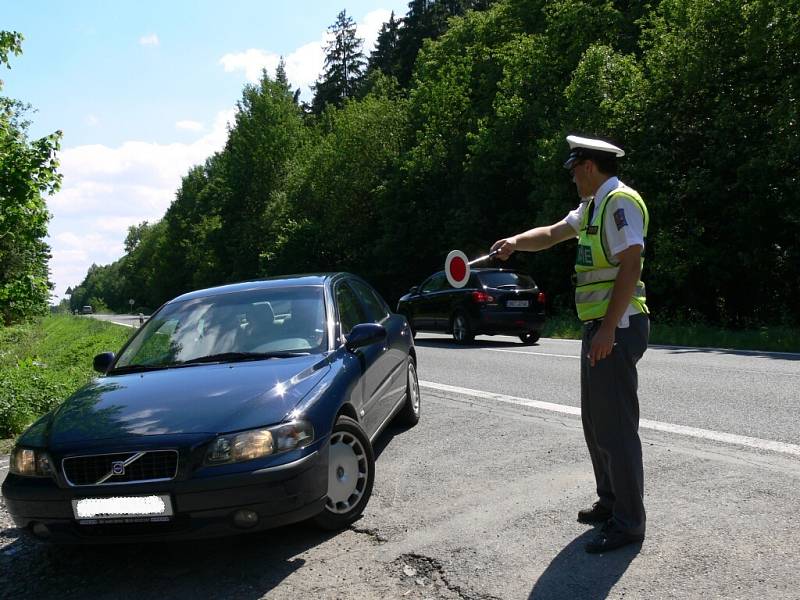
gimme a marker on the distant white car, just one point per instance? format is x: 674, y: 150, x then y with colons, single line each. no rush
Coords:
x: 86, y: 310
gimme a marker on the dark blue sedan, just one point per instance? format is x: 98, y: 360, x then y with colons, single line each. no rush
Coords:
x: 232, y: 409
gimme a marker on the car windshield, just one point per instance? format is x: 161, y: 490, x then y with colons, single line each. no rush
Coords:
x: 507, y: 279
x: 264, y: 323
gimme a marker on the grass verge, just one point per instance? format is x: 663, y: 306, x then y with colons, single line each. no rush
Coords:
x: 43, y: 362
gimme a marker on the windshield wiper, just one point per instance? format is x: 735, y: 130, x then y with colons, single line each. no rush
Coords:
x: 138, y: 368
x: 240, y: 356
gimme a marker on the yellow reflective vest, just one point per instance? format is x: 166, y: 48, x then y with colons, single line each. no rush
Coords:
x: 595, y: 273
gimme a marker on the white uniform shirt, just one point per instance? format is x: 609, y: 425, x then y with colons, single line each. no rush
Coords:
x: 623, y: 226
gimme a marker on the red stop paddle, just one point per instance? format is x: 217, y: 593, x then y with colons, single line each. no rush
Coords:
x: 456, y: 267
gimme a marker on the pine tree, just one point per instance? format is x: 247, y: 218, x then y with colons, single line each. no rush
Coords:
x: 344, y: 65
x: 280, y: 74
x: 384, y: 56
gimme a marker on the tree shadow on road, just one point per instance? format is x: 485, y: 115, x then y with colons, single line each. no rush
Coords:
x: 792, y: 356
x: 576, y: 575
x: 247, y: 566
x: 443, y: 342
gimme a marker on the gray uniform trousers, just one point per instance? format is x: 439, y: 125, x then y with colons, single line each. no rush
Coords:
x: 610, y: 415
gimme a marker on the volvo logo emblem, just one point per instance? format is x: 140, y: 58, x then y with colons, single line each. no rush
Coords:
x: 118, y: 467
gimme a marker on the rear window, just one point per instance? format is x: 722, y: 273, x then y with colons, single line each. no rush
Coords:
x: 498, y: 279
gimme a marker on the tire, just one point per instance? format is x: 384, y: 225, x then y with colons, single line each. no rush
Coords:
x: 462, y: 330
x: 409, y: 414
x: 351, y: 473
x: 529, y: 338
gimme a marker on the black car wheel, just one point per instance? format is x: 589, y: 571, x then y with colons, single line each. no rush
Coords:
x: 351, y: 473
x: 462, y: 330
x: 531, y: 337
x: 409, y: 414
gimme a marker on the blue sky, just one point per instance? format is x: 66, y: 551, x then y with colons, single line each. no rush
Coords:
x: 143, y: 91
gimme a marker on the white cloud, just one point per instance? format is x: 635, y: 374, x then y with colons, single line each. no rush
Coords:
x: 305, y: 64
x: 188, y: 125
x: 250, y: 61
x: 105, y: 190
x: 150, y: 39
x: 370, y: 26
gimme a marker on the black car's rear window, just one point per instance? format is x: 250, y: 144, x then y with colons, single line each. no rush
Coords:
x: 496, y: 279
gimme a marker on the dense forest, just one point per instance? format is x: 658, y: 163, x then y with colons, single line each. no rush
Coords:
x: 450, y: 134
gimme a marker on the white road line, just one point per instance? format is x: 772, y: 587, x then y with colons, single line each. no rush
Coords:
x: 706, y: 434
x: 123, y: 324
x: 535, y: 353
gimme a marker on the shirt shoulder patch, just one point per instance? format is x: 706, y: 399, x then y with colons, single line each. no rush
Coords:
x: 619, y: 218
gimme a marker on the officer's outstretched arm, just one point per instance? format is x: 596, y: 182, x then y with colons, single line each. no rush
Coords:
x: 533, y: 240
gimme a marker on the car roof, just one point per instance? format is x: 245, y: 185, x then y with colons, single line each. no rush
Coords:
x: 280, y: 281
x: 491, y: 270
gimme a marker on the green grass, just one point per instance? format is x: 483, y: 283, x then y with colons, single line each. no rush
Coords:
x: 698, y: 335
x: 43, y: 362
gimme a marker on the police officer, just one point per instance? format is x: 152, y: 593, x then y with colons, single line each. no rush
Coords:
x: 610, y: 224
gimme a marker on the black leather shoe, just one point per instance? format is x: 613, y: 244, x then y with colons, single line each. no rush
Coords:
x: 597, y: 514
x: 610, y: 538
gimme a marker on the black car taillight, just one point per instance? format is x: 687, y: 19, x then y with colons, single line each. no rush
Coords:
x: 482, y: 297
x: 541, y: 298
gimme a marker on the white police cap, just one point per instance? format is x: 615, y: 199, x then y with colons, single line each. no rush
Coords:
x: 581, y: 147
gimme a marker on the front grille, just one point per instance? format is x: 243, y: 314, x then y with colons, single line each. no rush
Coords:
x: 123, y: 467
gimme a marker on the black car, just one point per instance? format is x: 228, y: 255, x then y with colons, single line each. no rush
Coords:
x: 493, y: 302
x: 232, y: 409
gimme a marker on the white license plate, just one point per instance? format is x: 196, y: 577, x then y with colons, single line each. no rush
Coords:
x: 123, y: 508
x: 517, y: 304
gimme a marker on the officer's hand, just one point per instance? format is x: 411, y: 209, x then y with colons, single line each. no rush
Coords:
x: 602, y: 344
x: 505, y: 247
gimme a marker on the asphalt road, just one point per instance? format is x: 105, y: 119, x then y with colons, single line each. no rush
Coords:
x: 479, y: 500
x: 126, y: 320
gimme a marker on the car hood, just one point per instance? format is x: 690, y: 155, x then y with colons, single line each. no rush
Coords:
x: 189, y: 400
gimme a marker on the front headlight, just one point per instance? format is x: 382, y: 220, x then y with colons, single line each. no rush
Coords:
x: 257, y: 443
x: 30, y: 463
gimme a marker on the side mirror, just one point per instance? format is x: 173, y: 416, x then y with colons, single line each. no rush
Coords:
x: 102, y: 362
x: 413, y: 289
x: 365, y: 334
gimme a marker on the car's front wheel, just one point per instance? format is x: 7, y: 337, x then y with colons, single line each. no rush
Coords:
x: 530, y: 337
x: 351, y: 473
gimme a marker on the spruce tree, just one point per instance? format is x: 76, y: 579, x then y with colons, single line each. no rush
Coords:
x: 344, y: 65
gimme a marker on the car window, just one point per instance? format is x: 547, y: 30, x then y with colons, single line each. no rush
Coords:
x: 496, y: 279
x: 434, y: 284
x: 350, y: 311
x: 375, y: 307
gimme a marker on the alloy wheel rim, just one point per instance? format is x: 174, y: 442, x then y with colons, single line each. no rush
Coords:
x: 459, y: 328
x: 413, y: 388
x: 347, y: 472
